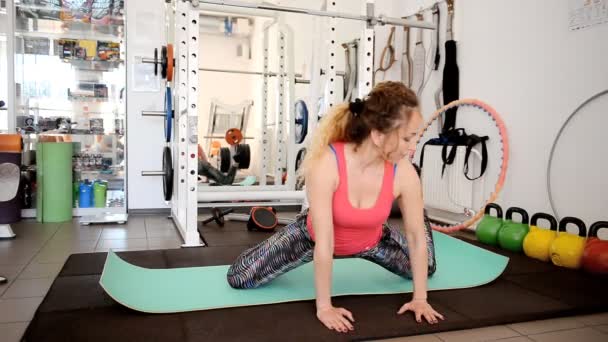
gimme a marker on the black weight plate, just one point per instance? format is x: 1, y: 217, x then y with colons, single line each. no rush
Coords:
x: 300, y: 158
x: 155, y: 61
x: 164, y: 61
x: 168, y: 173
x: 225, y: 159
x: 245, y: 154
x: 301, y: 111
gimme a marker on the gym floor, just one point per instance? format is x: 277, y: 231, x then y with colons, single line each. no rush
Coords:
x: 33, y: 259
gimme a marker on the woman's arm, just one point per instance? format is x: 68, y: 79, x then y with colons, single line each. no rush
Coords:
x: 412, y: 209
x: 321, y: 183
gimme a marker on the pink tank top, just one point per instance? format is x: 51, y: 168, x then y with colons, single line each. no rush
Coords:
x: 356, y: 230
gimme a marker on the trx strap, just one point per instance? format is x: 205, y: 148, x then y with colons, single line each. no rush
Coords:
x: 451, y: 77
x: 453, y: 139
x: 406, y: 60
x: 437, y: 20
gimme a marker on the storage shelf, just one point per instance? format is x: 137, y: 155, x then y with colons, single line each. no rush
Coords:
x: 77, y: 212
x: 95, y: 65
x: 71, y: 66
x: 56, y: 11
x: 50, y: 133
x: 71, y: 101
x: 57, y: 29
x: 69, y: 35
x: 67, y: 112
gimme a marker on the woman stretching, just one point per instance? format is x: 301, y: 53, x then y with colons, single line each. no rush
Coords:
x: 355, y: 169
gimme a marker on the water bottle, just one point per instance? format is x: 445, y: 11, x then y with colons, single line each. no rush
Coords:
x: 85, y: 195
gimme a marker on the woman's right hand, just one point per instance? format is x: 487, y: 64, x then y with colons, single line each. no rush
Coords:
x: 338, y: 319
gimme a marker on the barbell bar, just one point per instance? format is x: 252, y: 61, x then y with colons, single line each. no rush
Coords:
x: 370, y: 19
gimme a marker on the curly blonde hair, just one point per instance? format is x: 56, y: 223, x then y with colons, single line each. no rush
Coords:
x: 381, y: 110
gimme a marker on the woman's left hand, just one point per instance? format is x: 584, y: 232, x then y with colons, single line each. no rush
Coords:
x: 421, y: 308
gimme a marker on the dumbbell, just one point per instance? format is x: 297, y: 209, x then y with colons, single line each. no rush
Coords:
x: 218, y: 216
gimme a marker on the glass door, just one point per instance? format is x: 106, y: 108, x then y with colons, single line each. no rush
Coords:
x: 4, y: 72
x: 69, y: 83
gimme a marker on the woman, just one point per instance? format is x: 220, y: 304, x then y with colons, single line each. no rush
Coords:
x: 354, y: 171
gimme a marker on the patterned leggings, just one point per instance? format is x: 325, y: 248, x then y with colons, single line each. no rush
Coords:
x: 292, y: 246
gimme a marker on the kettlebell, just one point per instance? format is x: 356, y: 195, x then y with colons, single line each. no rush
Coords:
x: 512, y: 234
x: 595, y: 255
x: 567, y: 249
x: 537, y: 244
x: 487, y: 229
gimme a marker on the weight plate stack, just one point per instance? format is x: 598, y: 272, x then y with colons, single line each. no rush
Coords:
x: 168, y: 173
x: 225, y: 159
x: 245, y: 156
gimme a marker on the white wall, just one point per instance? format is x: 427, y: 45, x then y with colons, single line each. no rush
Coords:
x: 536, y: 87
x: 145, y: 137
x: 520, y: 57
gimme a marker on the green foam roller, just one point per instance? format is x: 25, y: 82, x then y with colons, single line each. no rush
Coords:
x: 54, y: 177
x: 100, y: 190
x: 75, y: 194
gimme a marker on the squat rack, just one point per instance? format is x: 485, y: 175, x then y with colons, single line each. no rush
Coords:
x: 183, y: 19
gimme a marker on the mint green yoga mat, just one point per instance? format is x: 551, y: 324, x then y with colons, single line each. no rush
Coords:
x: 459, y: 265
x: 54, y: 181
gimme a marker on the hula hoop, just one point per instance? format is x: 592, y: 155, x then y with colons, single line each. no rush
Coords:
x: 505, y: 154
x: 557, y: 137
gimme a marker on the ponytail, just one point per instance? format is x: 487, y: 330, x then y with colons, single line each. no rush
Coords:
x: 382, y: 110
x: 332, y: 127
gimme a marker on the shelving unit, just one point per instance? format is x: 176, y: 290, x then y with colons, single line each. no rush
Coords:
x: 69, y: 80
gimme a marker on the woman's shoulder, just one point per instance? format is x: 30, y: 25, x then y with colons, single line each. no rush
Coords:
x: 406, y: 174
x: 327, y: 157
x: 405, y: 167
x: 324, y: 170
